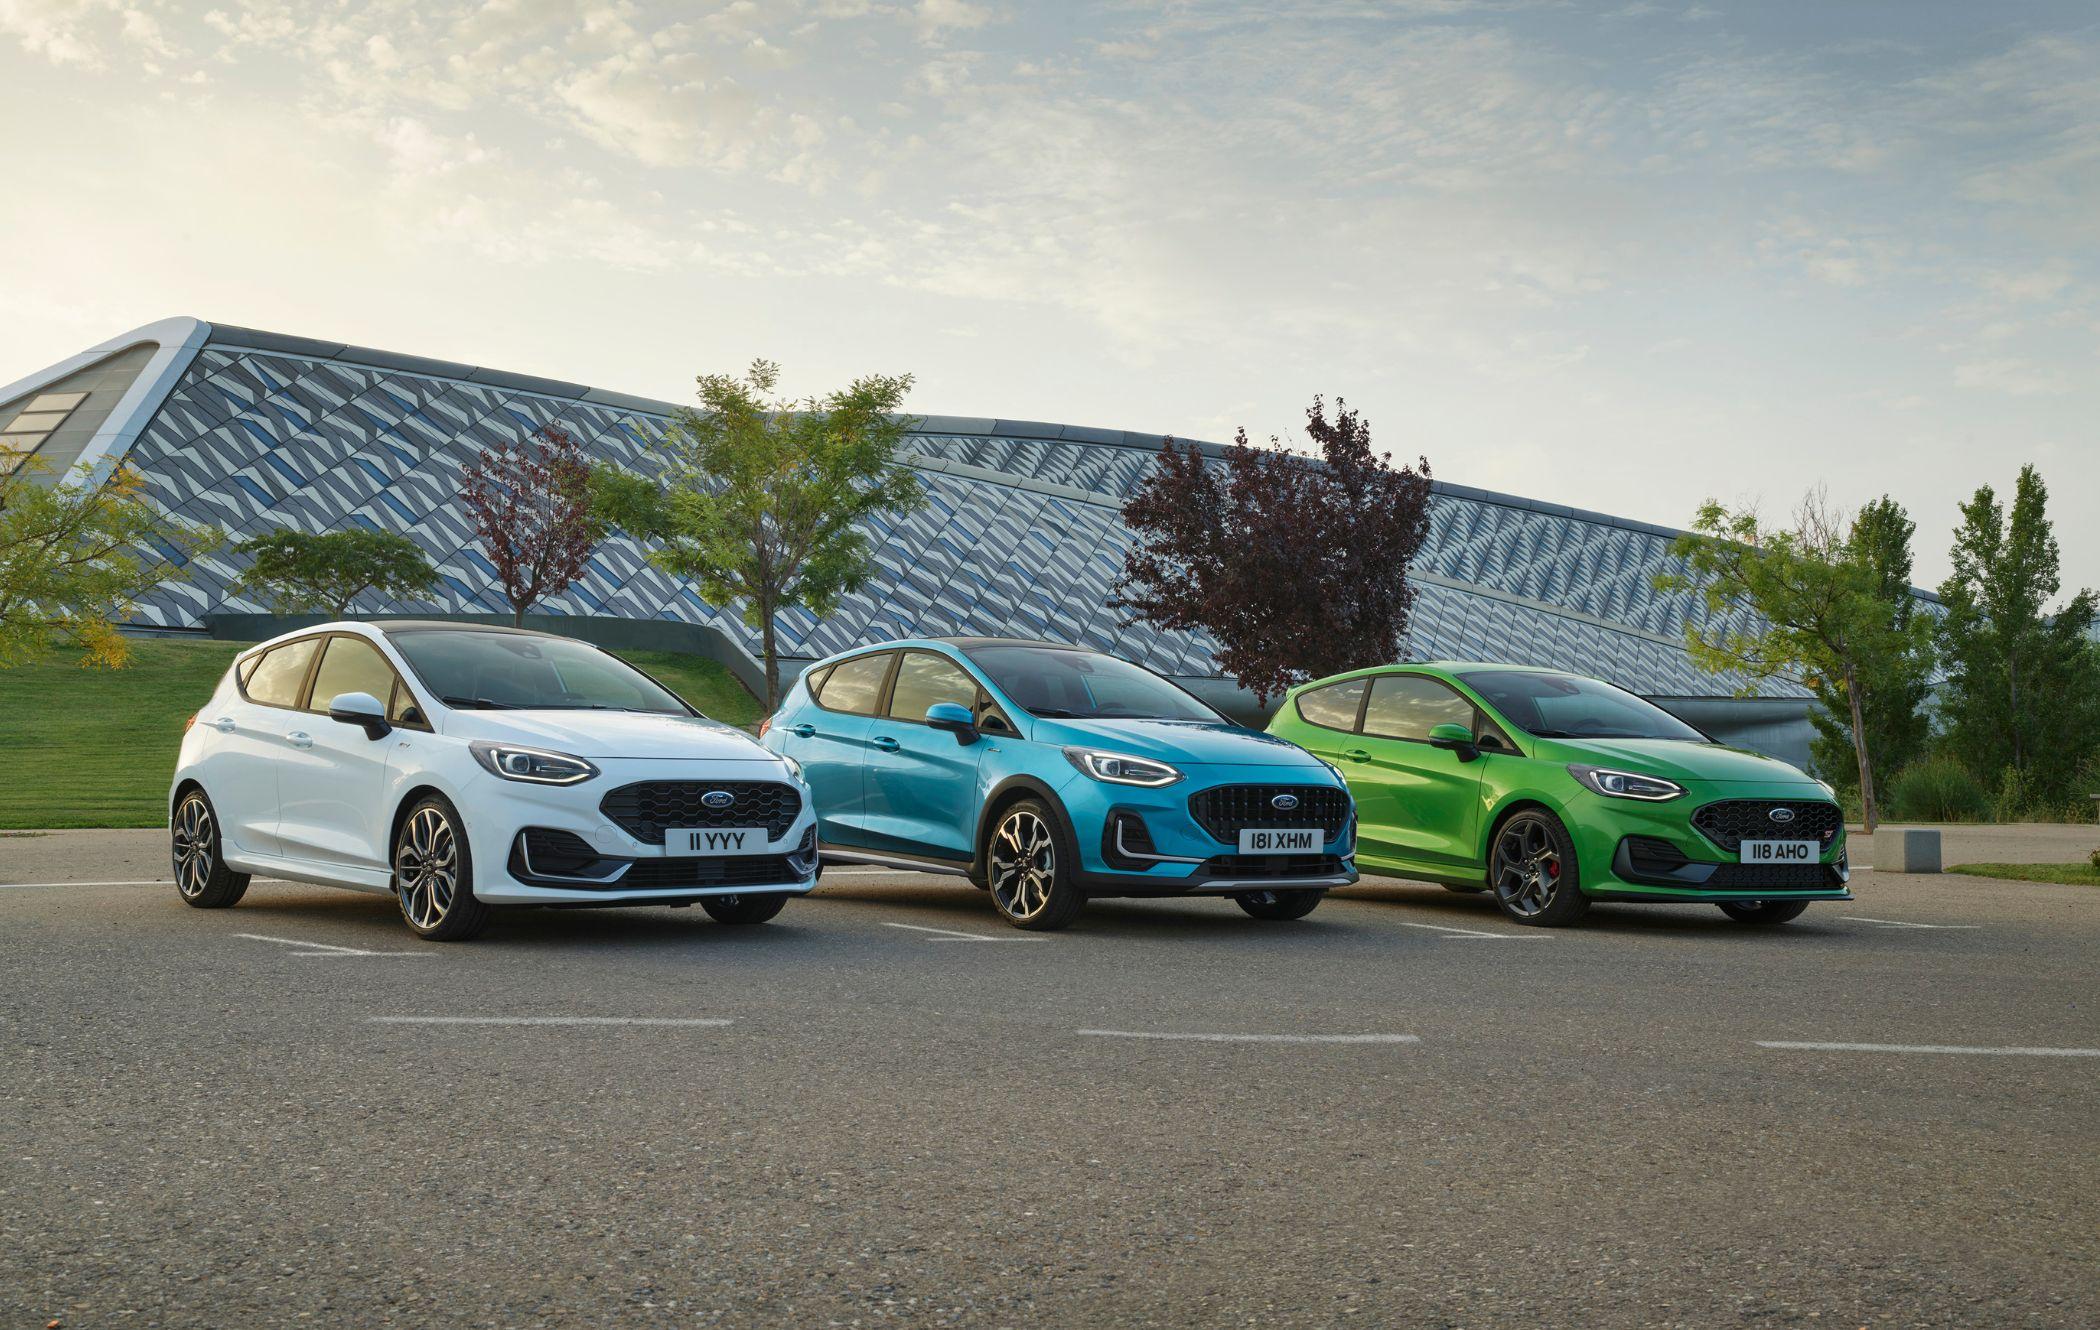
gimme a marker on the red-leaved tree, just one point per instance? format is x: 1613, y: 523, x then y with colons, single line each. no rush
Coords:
x: 529, y: 500
x: 1297, y: 566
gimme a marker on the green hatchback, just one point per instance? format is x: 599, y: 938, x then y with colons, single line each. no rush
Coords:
x: 1553, y: 790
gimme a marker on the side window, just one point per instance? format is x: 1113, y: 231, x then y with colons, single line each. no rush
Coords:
x: 1333, y: 707
x: 817, y: 678
x: 405, y: 710
x: 351, y: 665
x: 276, y: 678
x: 924, y: 679
x: 1408, y: 706
x: 854, y: 686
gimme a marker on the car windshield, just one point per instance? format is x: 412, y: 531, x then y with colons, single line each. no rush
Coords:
x: 1565, y: 706
x: 1084, y: 685
x: 505, y: 671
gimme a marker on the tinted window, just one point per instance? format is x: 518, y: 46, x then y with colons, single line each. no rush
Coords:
x: 1408, y: 706
x: 276, y: 678
x: 1060, y: 681
x: 1334, y: 706
x: 351, y: 665
x: 516, y: 670
x: 1567, y: 706
x: 854, y: 685
x: 924, y: 679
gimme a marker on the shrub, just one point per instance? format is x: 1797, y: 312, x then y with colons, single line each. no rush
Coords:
x: 2095, y: 857
x: 1938, y: 789
x: 2016, y: 798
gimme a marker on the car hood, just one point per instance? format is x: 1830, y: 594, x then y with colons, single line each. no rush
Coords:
x: 1180, y: 742
x: 1682, y: 762
x: 611, y: 734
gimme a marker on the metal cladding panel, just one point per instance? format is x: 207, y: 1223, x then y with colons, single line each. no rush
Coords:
x: 1020, y: 535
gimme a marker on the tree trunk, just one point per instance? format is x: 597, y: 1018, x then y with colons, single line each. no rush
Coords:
x: 517, y: 612
x: 765, y: 632
x: 1869, y: 813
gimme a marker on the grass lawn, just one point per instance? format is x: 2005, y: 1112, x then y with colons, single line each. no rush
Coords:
x: 96, y: 748
x: 2077, y: 875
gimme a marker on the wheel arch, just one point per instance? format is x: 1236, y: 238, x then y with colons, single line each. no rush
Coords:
x: 1003, y: 796
x: 183, y: 787
x: 410, y: 797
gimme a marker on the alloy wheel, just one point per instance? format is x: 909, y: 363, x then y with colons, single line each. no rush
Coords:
x: 193, y: 846
x: 426, y: 867
x: 1527, y: 866
x: 1023, y: 864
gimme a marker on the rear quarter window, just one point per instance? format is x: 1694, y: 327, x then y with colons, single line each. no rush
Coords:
x: 1334, y: 707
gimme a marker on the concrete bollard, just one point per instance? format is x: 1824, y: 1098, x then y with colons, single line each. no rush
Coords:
x: 1906, y: 851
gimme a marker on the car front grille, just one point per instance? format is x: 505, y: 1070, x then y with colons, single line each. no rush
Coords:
x: 748, y: 870
x: 644, y: 810
x: 1226, y: 810
x: 1279, y: 866
x: 1772, y: 877
x: 1732, y: 821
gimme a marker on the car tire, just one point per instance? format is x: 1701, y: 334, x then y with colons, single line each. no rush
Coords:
x: 1533, y: 871
x: 195, y: 849
x: 1763, y: 913
x: 753, y: 909
x: 1028, y: 867
x: 434, y: 873
x: 1279, y: 905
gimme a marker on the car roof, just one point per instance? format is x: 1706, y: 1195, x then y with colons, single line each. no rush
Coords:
x: 425, y: 625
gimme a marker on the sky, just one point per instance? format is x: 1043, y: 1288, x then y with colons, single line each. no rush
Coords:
x: 1624, y: 256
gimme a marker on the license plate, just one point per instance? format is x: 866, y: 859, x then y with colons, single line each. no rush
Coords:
x: 1280, y: 840
x: 1781, y: 852
x: 704, y: 841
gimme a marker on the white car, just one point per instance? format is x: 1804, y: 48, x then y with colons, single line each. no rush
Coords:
x: 461, y: 767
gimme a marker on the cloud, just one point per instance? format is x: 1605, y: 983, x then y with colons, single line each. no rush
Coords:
x: 2016, y: 377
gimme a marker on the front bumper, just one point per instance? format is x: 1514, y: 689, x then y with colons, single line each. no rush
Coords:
x: 1655, y: 853
x: 1135, y: 841
x: 620, y: 869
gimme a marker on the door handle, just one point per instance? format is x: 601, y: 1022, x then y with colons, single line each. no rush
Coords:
x: 1355, y: 755
x: 885, y: 743
x: 803, y: 731
x: 300, y: 739
x: 223, y: 725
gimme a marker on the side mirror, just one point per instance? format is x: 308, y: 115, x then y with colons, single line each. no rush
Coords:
x: 954, y: 718
x: 360, y: 709
x: 1455, y: 737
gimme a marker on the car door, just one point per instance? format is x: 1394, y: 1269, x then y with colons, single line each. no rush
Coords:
x: 244, y: 777
x: 332, y: 788
x: 919, y: 785
x: 830, y: 740
x: 1416, y: 804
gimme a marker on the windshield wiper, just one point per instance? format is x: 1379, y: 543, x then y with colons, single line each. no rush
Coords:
x: 477, y: 703
x: 1056, y: 713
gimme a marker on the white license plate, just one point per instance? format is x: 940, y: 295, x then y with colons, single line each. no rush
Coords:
x: 1280, y: 840
x: 1781, y: 852
x: 688, y: 841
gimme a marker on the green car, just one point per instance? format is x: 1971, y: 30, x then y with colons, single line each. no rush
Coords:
x: 1553, y: 790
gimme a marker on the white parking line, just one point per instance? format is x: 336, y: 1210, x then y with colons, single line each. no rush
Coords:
x: 149, y: 882
x: 1929, y: 1048
x: 1899, y: 923
x: 950, y: 935
x: 1257, y: 1038
x: 680, y: 1021
x: 1474, y: 932
x: 324, y: 949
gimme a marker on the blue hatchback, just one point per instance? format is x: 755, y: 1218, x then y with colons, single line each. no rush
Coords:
x: 1049, y: 773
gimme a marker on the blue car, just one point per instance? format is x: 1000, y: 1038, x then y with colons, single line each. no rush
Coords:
x: 1048, y: 774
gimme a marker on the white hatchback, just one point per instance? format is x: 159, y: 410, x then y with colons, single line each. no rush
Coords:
x: 460, y: 767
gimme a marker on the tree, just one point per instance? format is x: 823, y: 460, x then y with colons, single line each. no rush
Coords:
x: 2023, y: 689
x: 1897, y: 689
x: 761, y: 498
x: 1807, y: 604
x: 530, y: 502
x: 1297, y: 567
x: 328, y: 571
x: 72, y: 557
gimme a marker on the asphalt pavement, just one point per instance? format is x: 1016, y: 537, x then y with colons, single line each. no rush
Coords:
x: 885, y: 1107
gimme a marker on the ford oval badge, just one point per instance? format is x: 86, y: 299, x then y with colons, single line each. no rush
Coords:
x: 1781, y: 815
x: 718, y: 799
x: 1284, y: 803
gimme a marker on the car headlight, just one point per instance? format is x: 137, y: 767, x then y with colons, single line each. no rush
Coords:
x: 535, y: 766
x: 1626, y: 784
x: 1121, y: 768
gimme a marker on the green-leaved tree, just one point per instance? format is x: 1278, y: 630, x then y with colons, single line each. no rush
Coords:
x: 73, y: 555
x: 2023, y: 684
x: 1895, y: 712
x: 1816, y: 609
x: 298, y: 571
x: 761, y: 498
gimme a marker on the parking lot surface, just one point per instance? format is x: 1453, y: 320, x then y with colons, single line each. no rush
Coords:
x: 887, y: 1107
